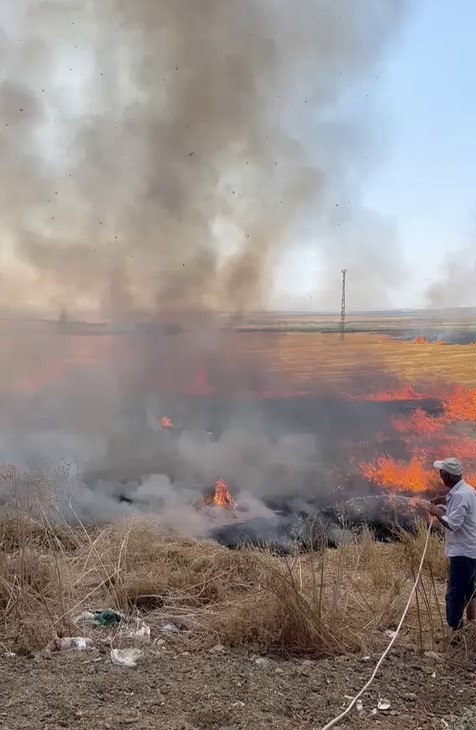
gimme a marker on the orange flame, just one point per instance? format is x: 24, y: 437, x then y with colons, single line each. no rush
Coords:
x: 409, y: 477
x: 428, y: 438
x: 221, y: 496
x: 460, y: 404
x: 462, y: 447
x: 424, y: 341
x: 419, y: 422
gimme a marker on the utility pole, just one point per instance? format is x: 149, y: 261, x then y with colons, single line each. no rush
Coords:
x: 342, y: 311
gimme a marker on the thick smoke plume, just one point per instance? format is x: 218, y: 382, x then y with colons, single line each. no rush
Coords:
x: 161, y: 154
x: 89, y: 443
x: 457, y: 285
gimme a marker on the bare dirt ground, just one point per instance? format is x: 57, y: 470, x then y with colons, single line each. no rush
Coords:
x: 342, y: 604
x: 181, y: 691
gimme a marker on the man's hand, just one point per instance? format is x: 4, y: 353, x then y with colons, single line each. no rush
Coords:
x: 439, y: 512
x: 436, y: 510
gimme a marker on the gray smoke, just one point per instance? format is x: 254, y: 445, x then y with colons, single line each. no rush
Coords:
x: 457, y: 285
x: 90, y: 446
x: 161, y: 154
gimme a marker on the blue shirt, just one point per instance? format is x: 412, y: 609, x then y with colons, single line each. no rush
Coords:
x: 460, y: 539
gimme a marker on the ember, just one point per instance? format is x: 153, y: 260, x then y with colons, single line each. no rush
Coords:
x: 221, y: 496
x: 166, y: 423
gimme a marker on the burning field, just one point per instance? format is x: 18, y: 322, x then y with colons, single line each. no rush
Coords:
x: 169, y: 168
x: 166, y: 194
x: 133, y: 461
x: 240, y: 436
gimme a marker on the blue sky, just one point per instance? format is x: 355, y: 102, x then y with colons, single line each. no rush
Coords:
x: 423, y: 112
x: 426, y: 181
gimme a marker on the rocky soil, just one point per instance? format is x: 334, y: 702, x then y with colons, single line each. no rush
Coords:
x: 222, y: 690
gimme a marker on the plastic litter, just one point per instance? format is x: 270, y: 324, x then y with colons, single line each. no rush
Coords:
x: 142, y: 632
x: 79, y: 643
x: 104, y: 617
x: 391, y: 634
x: 359, y: 706
x: 383, y: 705
x: 126, y: 657
x: 171, y: 629
x: 82, y: 644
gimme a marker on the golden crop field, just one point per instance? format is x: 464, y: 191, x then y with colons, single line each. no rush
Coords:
x: 299, y: 360
x: 304, y: 358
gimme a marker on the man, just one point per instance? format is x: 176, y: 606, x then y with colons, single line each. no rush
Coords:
x: 459, y: 521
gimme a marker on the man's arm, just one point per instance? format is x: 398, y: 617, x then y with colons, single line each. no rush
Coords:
x: 454, y: 517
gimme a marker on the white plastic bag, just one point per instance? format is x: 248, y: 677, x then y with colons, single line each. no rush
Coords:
x: 126, y: 657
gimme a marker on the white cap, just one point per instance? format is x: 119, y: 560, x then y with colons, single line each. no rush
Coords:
x: 450, y: 466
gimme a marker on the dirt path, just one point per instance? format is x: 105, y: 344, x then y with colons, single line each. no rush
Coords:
x: 204, y: 691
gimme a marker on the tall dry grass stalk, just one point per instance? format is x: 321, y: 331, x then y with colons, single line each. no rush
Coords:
x: 317, y: 604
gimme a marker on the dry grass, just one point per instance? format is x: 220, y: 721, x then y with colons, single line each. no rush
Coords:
x: 305, y: 358
x: 318, y: 604
x: 300, y: 359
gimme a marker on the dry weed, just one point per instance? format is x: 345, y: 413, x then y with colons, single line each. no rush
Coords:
x: 317, y: 604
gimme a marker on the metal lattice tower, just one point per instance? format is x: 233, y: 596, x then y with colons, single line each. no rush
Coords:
x: 342, y: 311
